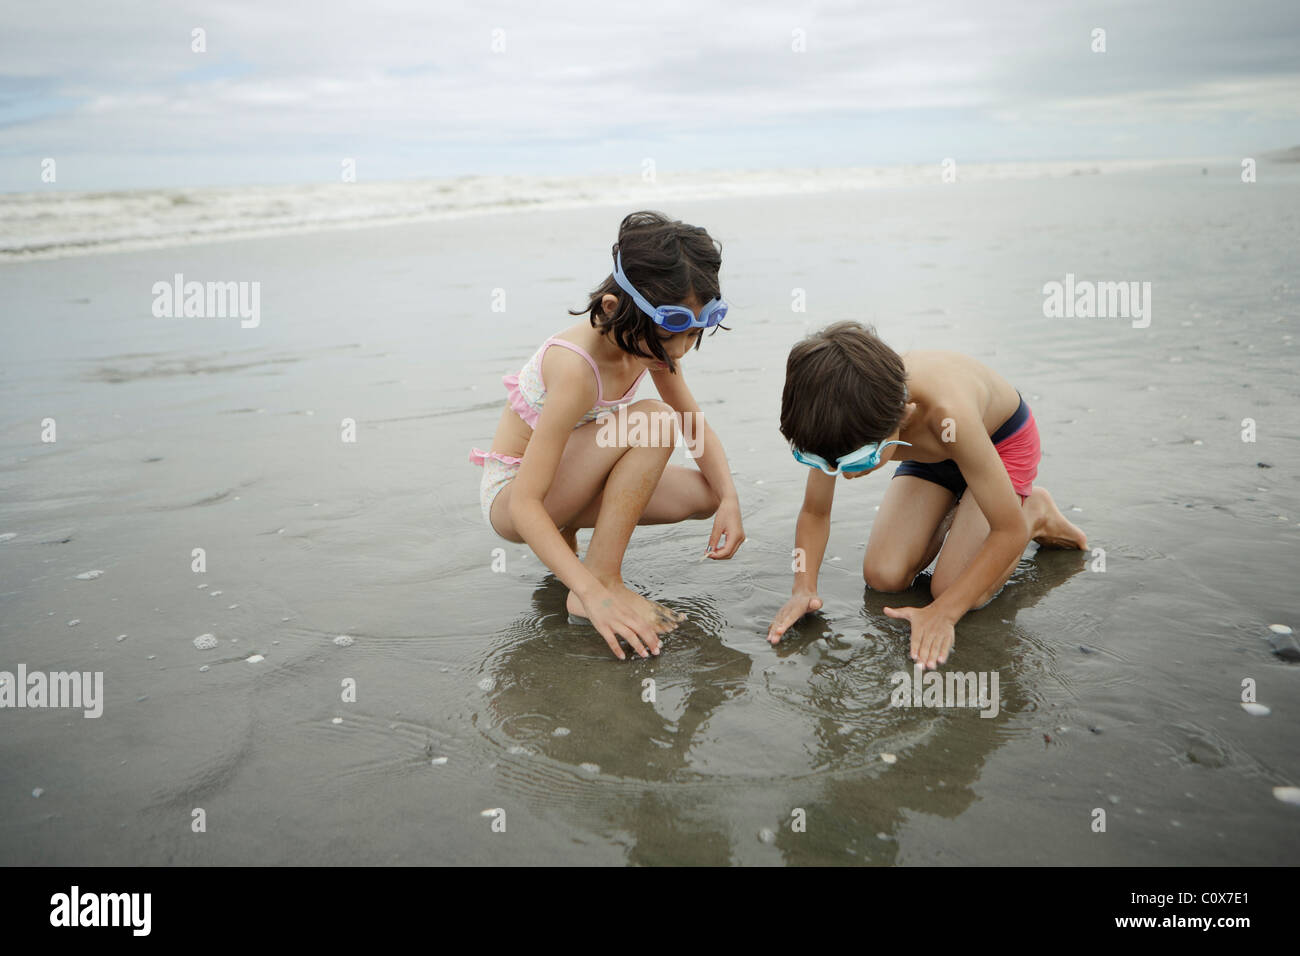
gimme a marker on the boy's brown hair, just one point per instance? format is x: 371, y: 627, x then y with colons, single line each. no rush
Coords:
x: 843, y: 388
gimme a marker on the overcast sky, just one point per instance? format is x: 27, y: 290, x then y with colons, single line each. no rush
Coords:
x: 288, y: 88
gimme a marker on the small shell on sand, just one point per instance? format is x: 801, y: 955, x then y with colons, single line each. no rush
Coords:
x: 38, y: 791
x: 889, y: 758
x: 336, y: 720
x: 487, y: 683
x: 489, y: 812
x: 74, y: 622
x: 205, y: 642
x: 1289, y: 795
x: 439, y: 761
x: 343, y: 640
x: 1279, y: 629
x: 121, y: 637
x: 8, y: 536
x: 255, y: 659
x: 200, y: 586
x: 1255, y: 710
x: 204, y: 669
x: 766, y: 835
x: 88, y: 575
x: 560, y: 732
x: 590, y: 767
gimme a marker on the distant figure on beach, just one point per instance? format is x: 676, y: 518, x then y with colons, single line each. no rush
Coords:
x: 564, y: 457
x: 851, y: 403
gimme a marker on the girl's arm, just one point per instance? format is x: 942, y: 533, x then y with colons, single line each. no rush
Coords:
x: 571, y: 390
x: 706, y: 448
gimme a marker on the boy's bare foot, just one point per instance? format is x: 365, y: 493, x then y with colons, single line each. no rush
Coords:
x: 1053, y: 529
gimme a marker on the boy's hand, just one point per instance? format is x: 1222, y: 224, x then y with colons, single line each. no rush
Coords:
x: 726, y: 522
x: 800, y: 603
x: 932, y: 633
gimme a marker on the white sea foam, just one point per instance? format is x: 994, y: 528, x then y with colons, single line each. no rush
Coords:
x: 56, y: 224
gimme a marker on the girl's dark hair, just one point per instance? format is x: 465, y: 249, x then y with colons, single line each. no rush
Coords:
x: 843, y: 388
x: 666, y: 261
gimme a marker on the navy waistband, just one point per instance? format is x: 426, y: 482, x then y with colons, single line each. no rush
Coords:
x: 1012, y: 424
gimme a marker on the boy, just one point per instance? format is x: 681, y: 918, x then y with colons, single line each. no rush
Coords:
x: 850, y: 404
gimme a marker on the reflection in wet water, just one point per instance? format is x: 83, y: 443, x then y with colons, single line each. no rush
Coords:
x: 653, y: 752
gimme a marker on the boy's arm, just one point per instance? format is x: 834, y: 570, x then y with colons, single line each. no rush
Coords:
x: 706, y: 449
x: 810, y: 536
x: 987, y: 479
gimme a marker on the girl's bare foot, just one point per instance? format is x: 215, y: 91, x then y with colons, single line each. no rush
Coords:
x: 1053, y: 529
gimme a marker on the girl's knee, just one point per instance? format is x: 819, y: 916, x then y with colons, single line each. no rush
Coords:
x: 652, y: 423
x: 710, y: 502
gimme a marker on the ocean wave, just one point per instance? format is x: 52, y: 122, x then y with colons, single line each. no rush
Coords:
x: 57, y: 224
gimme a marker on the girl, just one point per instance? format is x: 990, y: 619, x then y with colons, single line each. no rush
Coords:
x: 556, y: 465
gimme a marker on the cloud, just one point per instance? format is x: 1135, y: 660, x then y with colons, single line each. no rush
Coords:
x: 398, y: 79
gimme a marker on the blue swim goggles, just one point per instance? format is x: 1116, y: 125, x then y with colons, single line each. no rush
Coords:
x: 864, y: 459
x: 672, y: 318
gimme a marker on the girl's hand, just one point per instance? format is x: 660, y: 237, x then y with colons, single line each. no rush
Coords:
x: 800, y: 603
x: 726, y: 521
x: 933, y: 633
x: 614, y: 616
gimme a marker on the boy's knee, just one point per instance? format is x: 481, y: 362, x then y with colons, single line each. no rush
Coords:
x: 883, y: 575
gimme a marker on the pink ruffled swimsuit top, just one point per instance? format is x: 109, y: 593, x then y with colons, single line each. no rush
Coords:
x: 527, y: 393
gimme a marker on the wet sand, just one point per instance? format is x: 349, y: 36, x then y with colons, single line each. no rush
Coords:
x: 1119, y: 689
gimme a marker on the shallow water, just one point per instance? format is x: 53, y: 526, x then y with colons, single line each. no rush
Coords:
x: 1119, y: 690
